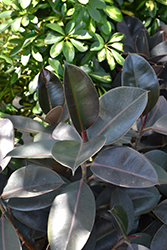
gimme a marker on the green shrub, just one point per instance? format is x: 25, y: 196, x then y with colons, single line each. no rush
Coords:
x: 40, y: 33
x: 94, y: 177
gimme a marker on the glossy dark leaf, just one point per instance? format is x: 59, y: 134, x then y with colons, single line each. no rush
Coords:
x: 153, y: 156
x: 159, y: 49
x: 31, y: 181
x: 160, y: 211
x: 131, y: 27
x: 54, y: 115
x: 25, y: 124
x: 33, y: 219
x: 158, y: 111
x: 138, y: 73
x: 8, y: 236
x: 160, y: 126
x: 39, y: 149
x: 160, y: 239
x: 71, y: 217
x: 76, y: 153
x: 116, y: 115
x: 64, y: 131
x: 81, y: 97
x: 6, y: 141
x: 120, y: 197
x: 144, y: 200
x: 137, y: 247
x: 50, y: 91
x: 141, y: 42
x: 123, y: 170
x: 32, y: 203
x: 141, y: 239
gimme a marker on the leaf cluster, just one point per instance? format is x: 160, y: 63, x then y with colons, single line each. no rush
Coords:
x: 94, y: 174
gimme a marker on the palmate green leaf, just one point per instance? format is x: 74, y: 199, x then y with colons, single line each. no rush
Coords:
x: 56, y: 49
x: 110, y: 59
x: 53, y: 37
x: 5, y: 25
x: 119, y: 59
x: 15, y: 26
x: 93, y: 12
x: 81, y: 97
x: 24, y: 4
x: 8, y: 236
x: 56, y: 27
x: 116, y: 37
x: 159, y: 239
x: 117, y: 114
x: 121, y: 217
x: 68, y: 51
x: 162, y: 2
x: 56, y: 65
x: 6, y: 14
x: 113, y: 12
x: 37, y: 150
x: 122, y: 170
x: 76, y: 153
x: 37, y: 56
x: 7, y: 59
x: 138, y: 73
x: 71, y: 217
x: 23, y: 123
x: 6, y: 141
x: 79, y: 45
x: 50, y: 91
x: 81, y: 34
x: 25, y: 56
x: 160, y: 126
x: 31, y: 181
x: 101, y: 55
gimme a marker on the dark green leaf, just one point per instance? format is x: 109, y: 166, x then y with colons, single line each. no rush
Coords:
x: 56, y: 65
x: 50, y: 91
x: 93, y: 12
x: 122, y: 170
x: 31, y: 181
x: 138, y: 73
x: 120, y: 197
x: 81, y: 96
x: 71, y: 217
x: 121, y: 217
x: 76, y: 153
x: 116, y: 112
x: 8, y: 236
x: 6, y: 141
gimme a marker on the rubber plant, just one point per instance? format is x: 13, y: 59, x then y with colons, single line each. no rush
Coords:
x: 90, y: 178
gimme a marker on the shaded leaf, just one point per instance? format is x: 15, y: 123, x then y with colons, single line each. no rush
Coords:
x: 93, y: 12
x: 144, y: 200
x: 50, y: 91
x: 56, y: 27
x: 8, y: 236
x: 81, y: 96
x: 117, y: 114
x: 76, y: 153
x: 123, y: 170
x: 160, y: 211
x: 54, y: 115
x: 6, y: 141
x: 160, y: 239
x: 31, y: 181
x: 138, y: 73
x: 121, y: 217
x: 72, y: 211
x: 160, y: 126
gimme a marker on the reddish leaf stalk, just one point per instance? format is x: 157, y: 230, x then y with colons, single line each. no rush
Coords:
x: 141, y: 130
x: 83, y: 165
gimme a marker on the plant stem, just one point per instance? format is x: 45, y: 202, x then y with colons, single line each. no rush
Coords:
x: 84, y: 171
